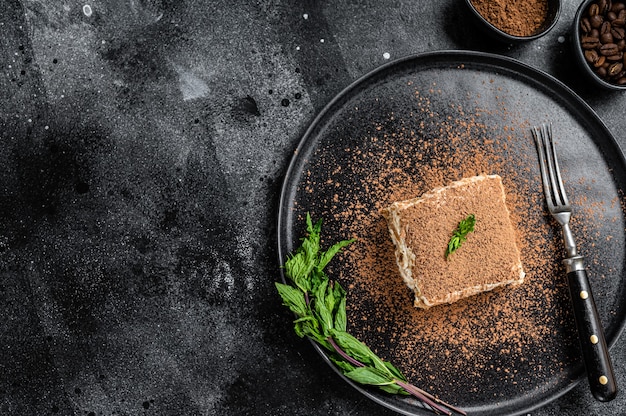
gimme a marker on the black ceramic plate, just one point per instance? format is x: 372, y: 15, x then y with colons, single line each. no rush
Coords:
x: 424, y: 121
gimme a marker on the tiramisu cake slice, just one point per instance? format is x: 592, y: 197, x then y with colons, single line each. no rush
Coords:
x: 421, y: 229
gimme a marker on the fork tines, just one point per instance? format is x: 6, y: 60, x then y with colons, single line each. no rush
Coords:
x: 549, y: 166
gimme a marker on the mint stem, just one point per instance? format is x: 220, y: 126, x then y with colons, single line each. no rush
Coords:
x: 423, y: 397
x: 411, y: 389
x: 343, y: 353
x: 432, y: 400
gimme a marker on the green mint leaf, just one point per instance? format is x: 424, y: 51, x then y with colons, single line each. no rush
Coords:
x: 323, y: 313
x: 306, y: 326
x: 293, y: 298
x: 309, y: 327
x: 307, y: 318
x: 311, y: 244
x: 339, y: 306
x: 310, y: 248
x: 339, y: 291
x: 297, y: 270
x: 313, y: 229
x: 328, y: 255
x: 369, y: 375
x: 396, y: 373
x: 381, y: 365
x: 361, y: 352
x: 316, y: 278
x: 353, y: 347
x: 304, y: 260
x: 334, y: 294
x: 459, y: 235
x: 341, y: 320
x: 341, y: 363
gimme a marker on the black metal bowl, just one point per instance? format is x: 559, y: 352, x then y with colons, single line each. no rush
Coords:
x: 554, y: 11
x: 587, y: 67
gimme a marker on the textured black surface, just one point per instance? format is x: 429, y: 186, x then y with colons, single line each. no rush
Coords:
x: 143, y: 144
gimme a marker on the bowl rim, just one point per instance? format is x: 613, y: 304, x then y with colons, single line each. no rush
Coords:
x: 578, y: 50
x: 515, y: 38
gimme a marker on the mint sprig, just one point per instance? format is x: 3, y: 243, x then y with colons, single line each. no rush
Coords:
x: 459, y: 235
x: 320, y: 308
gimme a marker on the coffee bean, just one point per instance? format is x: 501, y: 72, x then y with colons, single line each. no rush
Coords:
x: 585, y: 25
x: 605, y: 33
x: 601, y: 72
x: 618, y: 32
x: 609, y: 49
x: 611, y: 16
x: 619, y: 22
x: 616, y: 7
x: 615, y: 69
x: 591, y: 56
x: 604, y: 6
x: 594, y: 10
x: 619, y: 19
x: 617, y: 57
x: 606, y: 38
x: 589, y: 42
x: 596, y: 21
x: 621, y: 81
x: 600, y: 61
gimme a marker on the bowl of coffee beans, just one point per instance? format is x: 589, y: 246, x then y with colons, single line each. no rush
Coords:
x: 599, y: 42
x: 515, y: 21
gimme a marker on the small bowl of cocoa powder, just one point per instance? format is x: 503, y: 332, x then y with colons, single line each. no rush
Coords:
x: 516, y: 21
x: 599, y: 42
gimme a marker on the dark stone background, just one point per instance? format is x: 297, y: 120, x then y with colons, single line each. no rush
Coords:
x: 142, y: 154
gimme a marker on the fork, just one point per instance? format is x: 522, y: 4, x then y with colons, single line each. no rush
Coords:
x: 591, y: 335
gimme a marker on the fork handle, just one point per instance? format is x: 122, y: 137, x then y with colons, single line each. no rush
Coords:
x: 593, y: 345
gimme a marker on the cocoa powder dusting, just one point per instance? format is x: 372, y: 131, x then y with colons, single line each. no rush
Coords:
x: 495, y: 337
x: 515, y: 17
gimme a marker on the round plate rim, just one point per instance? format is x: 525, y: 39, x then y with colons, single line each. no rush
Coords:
x: 495, y: 61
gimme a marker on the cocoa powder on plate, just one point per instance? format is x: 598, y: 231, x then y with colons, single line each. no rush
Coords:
x: 513, y: 337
